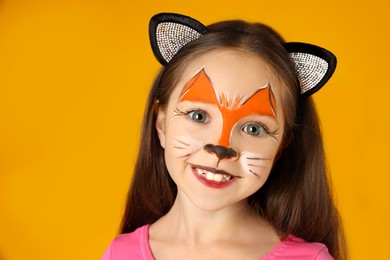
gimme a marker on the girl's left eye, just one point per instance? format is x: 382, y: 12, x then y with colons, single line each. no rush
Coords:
x: 198, y: 116
x: 255, y: 129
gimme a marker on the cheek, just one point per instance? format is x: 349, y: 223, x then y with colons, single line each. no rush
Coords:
x: 184, y: 146
x: 256, y: 164
x: 183, y: 138
x: 257, y: 155
x: 191, y: 136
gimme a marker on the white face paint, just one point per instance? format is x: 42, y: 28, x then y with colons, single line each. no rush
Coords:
x: 220, y: 150
x: 254, y: 163
x: 185, y: 146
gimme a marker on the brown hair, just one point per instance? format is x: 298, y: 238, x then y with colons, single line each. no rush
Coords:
x: 296, y: 199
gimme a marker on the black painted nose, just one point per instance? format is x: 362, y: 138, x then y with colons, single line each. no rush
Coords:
x: 220, y: 151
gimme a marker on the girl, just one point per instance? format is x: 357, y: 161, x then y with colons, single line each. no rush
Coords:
x: 231, y: 163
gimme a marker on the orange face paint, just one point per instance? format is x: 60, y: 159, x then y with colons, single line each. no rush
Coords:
x: 200, y: 89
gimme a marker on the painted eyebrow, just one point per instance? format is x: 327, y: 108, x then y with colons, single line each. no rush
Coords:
x: 200, y: 89
x: 200, y: 83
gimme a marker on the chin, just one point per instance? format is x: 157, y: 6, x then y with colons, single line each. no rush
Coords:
x: 213, y: 204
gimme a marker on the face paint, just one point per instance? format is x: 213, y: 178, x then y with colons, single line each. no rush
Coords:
x: 253, y: 162
x: 185, y: 146
x: 199, y: 116
x: 200, y: 89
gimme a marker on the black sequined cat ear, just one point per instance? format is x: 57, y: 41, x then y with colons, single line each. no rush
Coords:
x: 314, y: 65
x: 169, y: 32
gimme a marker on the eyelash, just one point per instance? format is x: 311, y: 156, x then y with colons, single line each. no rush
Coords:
x: 188, y: 112
x: 267, y: 131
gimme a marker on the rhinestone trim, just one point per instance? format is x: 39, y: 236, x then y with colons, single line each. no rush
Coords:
x: 310, y: 69
x: 171, y: 37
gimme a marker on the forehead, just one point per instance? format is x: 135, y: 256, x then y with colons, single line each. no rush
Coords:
x: 232, y: 72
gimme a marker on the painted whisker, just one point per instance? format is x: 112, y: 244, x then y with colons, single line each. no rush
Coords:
x: 182, y: 142
x: 260, y: 159
x: 254, y: 173
x: 185, y: 146
x: 258, y: 166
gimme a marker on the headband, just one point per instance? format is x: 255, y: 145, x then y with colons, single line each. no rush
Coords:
x: 169, y: 32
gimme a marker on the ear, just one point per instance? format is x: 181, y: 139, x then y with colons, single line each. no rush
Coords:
x: 314, y: 65
x: 169, y: 32
x: 160, y: 126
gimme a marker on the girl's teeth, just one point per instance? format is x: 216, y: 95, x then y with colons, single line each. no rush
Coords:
x: 218, y: 177
x: 213, y: 176
x: 226, y: 177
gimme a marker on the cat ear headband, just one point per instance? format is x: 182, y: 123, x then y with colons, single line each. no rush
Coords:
x: 169, y: 32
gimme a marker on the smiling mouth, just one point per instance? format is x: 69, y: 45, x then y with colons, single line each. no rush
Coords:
x: 212, y: 174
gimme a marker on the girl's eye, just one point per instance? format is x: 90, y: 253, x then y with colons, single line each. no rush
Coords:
x: 198, y: 116
x: 254, y: 129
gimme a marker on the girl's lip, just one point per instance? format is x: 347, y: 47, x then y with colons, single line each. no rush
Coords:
x: 213, y: 170
x: 212, y: 183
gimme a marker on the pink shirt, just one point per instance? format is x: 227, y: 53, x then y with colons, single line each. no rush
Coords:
x: 135, y: 245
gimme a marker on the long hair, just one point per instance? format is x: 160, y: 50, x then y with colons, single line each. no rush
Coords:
x: 296, y: 199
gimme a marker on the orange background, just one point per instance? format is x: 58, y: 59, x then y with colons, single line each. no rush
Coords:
x: 74, y: 76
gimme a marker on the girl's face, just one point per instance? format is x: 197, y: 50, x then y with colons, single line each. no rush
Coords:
x: 222, y: 128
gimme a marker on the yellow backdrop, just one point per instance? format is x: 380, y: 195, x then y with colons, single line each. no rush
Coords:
x: 74, y: 76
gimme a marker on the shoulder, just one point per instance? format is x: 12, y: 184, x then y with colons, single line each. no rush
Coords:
x: 134, y: 245
x: 296, y: 248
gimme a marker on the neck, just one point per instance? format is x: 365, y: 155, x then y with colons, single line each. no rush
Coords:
x: 194, y: 225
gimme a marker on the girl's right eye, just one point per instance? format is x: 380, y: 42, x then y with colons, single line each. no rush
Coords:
x: 198, y: 116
